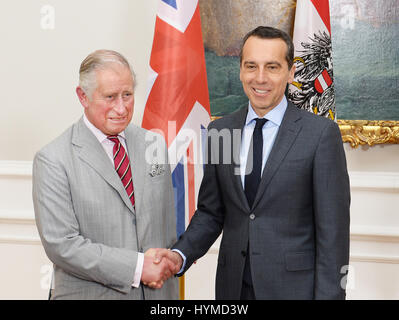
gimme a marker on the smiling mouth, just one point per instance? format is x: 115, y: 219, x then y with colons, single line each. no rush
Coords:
x: 118, y: 119
x: 258, y: 91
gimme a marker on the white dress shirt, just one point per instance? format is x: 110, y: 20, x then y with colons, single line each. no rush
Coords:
x: 108, y: 147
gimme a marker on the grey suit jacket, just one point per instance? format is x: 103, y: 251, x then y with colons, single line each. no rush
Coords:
x: 87, y: 224
x: 298, y: 227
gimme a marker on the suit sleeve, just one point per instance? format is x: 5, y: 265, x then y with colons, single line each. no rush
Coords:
x: 207, y: 222
x: 59, y: 231
x: 331, y: 198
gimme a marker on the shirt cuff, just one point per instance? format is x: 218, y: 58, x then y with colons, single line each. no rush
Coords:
x: 139, y: 270
x: 184, y: 260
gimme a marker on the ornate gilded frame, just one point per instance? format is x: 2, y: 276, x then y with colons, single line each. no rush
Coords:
x: 370, y: 132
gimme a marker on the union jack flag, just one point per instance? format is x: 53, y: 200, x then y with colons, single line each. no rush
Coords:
x: 178, y: 101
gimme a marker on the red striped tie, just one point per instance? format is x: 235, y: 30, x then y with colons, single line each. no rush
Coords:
x: 122, y: 166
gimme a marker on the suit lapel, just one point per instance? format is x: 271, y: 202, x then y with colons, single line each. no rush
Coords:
x: 95, y: 156
x: 238, y: 122
x: 136, y: 149
x: 286, y: 136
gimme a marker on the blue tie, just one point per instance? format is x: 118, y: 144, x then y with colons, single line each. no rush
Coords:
x: 252, y: 179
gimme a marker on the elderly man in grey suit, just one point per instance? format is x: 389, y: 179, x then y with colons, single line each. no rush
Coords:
x: 283, y: 206
x: 101, y: 201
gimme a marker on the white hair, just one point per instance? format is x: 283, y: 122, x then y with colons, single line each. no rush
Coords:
x: 96, y: 60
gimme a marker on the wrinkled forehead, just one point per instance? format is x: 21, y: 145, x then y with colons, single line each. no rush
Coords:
x: 114, y: 73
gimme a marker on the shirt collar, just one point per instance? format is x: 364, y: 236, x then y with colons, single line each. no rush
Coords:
x: 97, y: 132
x: 275, y: 115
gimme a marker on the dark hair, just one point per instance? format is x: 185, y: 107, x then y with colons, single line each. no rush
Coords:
x: 272, y: 33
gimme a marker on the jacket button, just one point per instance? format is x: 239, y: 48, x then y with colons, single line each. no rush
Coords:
x: 243, y: 253
x: 252, y: 216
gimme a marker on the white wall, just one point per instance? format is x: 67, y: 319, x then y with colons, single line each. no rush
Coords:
x: 39, y: 69
x: 374, y: 173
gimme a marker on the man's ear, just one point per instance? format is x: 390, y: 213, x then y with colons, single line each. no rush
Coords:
x: 83, y: 98
x: 292, y: 74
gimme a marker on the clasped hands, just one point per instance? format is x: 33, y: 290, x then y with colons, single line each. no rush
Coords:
x: 159, y: 265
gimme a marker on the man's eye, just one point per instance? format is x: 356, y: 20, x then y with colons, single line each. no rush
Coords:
x: 273, y: 68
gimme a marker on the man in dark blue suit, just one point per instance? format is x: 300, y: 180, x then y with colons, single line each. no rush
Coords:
x: 283, y: 205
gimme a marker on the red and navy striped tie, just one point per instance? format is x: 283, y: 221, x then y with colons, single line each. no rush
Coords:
x: 122, y: 166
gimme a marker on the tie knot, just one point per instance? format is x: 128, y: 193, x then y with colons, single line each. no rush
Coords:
x: 260, y: 122
x: 114, y: 139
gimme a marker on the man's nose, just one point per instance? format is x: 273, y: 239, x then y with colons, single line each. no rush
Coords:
x: 262, y: 75
x: 119, y: 106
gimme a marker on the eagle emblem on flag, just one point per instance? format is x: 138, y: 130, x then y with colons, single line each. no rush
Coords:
x: 314, y: 77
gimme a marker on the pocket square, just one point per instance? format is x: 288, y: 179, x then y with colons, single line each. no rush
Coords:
x: 156, y: 169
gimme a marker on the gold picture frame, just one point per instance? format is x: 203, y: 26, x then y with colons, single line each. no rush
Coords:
x: 369, y: 132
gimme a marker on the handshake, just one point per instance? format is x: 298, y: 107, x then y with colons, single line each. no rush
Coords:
x: 159, y: 265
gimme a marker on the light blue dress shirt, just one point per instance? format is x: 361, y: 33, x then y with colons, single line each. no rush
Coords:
x: 269, y: 132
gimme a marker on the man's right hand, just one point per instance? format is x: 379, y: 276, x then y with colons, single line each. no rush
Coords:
x: 172, y: 256
x: 159, y: 265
